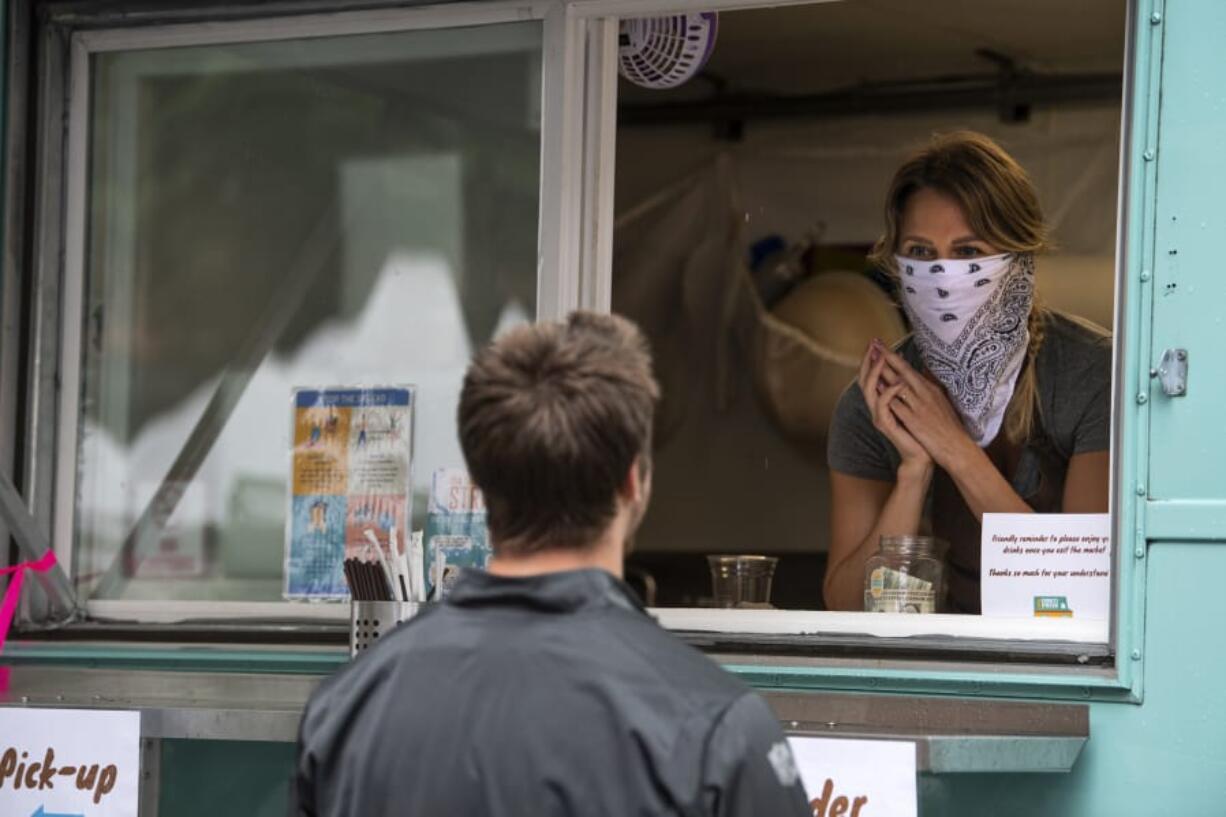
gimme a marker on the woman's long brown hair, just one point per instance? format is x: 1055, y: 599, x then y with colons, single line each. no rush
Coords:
x: 1000, y: 204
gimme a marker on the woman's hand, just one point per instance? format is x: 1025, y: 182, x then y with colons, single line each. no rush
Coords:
x: 880, y: 392
x: 914, y: 414
x: 921, y: 407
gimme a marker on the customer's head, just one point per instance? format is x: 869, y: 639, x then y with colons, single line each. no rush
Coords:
x: 555, y: 422
x: 959, y: 195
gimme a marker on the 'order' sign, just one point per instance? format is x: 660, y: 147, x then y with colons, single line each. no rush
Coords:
x: 69, y: 763
x: 857, y: 778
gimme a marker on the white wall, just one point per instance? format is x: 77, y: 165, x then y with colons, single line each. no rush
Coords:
x: 835, y: 172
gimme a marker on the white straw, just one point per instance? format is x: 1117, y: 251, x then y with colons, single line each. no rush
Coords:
x: 417, y: 566
x: 387, y: 570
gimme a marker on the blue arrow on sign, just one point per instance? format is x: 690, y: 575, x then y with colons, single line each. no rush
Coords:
x: 42, y: 813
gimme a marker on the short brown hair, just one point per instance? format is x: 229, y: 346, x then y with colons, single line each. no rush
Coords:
x: 1001, y: 205
x: 551, y: 419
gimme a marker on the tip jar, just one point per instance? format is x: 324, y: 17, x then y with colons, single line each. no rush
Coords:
x: 906, y: 575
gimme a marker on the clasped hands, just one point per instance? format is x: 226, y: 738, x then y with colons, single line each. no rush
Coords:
x: 912, y: 411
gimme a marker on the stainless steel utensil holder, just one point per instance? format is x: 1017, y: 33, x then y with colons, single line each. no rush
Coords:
x: 371, y: 620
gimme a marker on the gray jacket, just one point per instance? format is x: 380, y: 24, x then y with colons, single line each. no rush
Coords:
x: 550, y: 695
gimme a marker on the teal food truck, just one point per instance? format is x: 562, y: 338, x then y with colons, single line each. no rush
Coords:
x: 211, y: 206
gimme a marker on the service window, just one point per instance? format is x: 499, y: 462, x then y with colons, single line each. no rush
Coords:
x: 749, y: 197
x: 252, y: 208
x: 235, y: 209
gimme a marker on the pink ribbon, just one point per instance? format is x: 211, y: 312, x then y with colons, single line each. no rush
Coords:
x: 9, y: 606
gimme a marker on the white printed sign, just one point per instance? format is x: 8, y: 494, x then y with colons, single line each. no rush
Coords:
x: 69, y: 763
x: 1046, y: 565
x: 857, y: 778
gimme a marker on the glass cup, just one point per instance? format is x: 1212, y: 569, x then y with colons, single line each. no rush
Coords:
x: 742, y: 581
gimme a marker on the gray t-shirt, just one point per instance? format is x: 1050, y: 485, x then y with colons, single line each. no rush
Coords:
x: 1074, y: 380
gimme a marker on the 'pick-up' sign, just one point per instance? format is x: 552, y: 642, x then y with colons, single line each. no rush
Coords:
x: 69, y: 763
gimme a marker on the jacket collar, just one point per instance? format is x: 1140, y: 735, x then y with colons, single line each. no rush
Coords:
x: 562, y: 592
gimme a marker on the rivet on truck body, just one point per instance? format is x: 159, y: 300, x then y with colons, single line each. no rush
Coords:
x: 1148, y: 155
x: 1145, y: 275
x: 1155, y: 18
x: 1142, y: 398
x: 1136, y: 655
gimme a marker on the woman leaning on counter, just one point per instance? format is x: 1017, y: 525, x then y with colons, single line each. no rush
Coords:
x: 992, y: 405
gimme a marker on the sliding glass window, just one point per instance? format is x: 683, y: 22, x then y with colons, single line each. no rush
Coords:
x: 258, y: 216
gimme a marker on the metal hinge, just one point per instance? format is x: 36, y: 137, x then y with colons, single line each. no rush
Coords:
x: 1172, y: 372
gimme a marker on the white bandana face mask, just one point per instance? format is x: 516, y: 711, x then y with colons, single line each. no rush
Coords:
x: 970, y: 318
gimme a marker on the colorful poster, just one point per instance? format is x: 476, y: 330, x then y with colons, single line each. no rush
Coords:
x: 456, y: 535
x: 351, y: 474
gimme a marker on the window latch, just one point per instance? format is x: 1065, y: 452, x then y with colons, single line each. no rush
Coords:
x: 1172, y: 372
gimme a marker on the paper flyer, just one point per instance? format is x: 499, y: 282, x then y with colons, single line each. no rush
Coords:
x: 178, y: 551
x: 351, y: 472
x: 846, y: 777
x: 1046, y: 565
x: 456, y: 536
x: 70, y: 762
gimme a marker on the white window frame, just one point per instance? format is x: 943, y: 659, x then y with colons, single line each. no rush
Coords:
x: 561, y: 186
x: 599, y: 172
x: 578, y: 110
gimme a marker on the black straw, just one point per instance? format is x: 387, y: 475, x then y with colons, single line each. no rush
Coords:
x: 368, y: 582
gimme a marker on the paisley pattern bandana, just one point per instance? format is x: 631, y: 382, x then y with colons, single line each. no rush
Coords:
x: 970, y: 319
